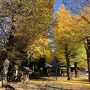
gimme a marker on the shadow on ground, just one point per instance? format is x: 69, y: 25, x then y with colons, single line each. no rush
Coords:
x: 46, y: 86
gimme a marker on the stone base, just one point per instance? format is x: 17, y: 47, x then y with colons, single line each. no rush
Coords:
x: 0, y: 83
x: 4, y: 83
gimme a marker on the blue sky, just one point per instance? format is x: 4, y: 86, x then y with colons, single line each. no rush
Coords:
x: 58, y: 3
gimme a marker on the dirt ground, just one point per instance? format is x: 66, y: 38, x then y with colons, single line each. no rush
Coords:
x: 61, y: 83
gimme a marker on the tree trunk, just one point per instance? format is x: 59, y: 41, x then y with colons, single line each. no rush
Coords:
x: 11, y: 33
x: 67, y: 61
x: 76, y: 70
x: 88, y: 58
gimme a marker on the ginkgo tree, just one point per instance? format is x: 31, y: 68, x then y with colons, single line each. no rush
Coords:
x: 39, y: 46
x: 64, y: 35
x: 83, y: 31
x: 82, y: 11
x: 23, y: 20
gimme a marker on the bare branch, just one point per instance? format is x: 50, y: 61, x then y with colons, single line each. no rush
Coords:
x: 81, y: 16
